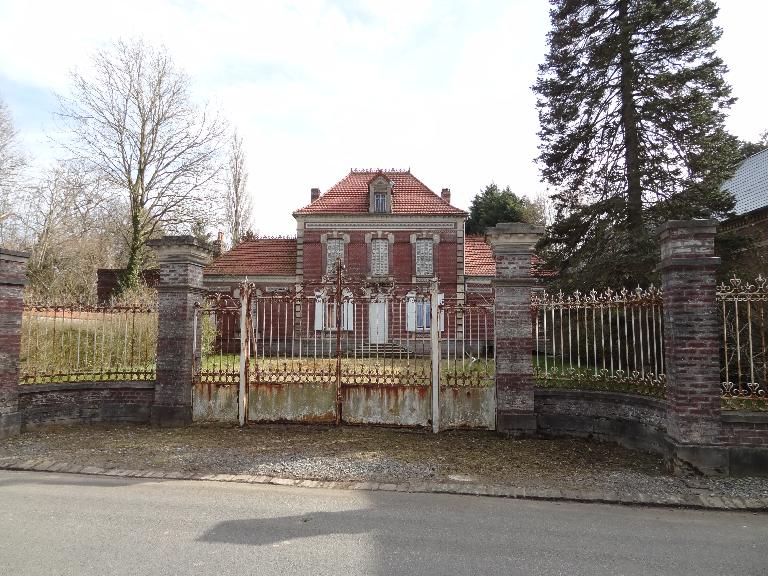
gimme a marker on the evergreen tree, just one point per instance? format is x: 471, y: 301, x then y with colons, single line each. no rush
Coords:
x: 631, y: 103
x: 494, y: 205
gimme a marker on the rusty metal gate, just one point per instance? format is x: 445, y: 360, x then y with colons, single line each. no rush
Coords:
x: 344, y: 352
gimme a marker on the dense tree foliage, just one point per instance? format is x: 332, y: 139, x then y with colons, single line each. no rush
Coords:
x: 631, y: 103
x: 494, y: 205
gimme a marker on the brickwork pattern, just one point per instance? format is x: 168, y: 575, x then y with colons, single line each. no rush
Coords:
x: 691, y: 331
x: 512, y: 248
x: 85, y: 402
x: 12, y: 278
x: 181, y: 260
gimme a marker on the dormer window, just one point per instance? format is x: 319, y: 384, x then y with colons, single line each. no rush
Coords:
x: 380, y: 202
x: 380, y: 194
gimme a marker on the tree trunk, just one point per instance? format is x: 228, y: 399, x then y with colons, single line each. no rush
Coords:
x: 629, y: 123
x: 132, y: 274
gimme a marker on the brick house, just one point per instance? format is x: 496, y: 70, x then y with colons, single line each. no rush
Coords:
x: 387, y: 227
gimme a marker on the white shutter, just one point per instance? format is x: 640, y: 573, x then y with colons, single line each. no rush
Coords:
x: 319, y: 313
x: 440, y: 302
x: 410, y: 313
x: 348, y: 316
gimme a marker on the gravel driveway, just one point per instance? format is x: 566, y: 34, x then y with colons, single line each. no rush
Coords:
x: 376, y: 454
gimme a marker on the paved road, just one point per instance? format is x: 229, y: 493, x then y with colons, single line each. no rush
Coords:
x: 82, y: 525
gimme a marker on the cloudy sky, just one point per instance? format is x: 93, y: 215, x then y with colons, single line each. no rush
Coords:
x: 317, y: 87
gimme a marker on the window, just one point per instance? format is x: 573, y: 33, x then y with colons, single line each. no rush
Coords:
x: 325, y: 313
x: 379, y: 257
x: 380, y: 202
x: 419, y: 313
x: 334, y: 251
x: 424, y: 258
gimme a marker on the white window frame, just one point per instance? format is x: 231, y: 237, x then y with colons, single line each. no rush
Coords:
x: 418, y: 313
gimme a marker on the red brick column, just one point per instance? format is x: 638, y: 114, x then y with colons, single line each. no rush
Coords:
x: 181, y: 260
x: 692, y: 343
x: 513, y: 245
x: 13, y: 276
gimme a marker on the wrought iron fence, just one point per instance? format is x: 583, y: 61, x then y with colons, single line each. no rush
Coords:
x: 340, y: 334
x: 744, y: 355
x: 603, y: 341
x: 217, y: 360
x: 80, y: 343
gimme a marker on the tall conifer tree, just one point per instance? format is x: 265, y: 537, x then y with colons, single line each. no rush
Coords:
x: 631, y: 103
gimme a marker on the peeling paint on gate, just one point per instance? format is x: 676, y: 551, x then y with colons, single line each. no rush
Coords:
x: 461, y: 406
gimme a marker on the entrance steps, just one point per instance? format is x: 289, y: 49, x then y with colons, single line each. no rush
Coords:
x: 390, y: 349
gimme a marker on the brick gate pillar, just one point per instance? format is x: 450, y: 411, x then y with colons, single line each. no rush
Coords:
x: 13, y: 277
x: 692, y: 343
x: 512, y: 245
x: 181, y: 260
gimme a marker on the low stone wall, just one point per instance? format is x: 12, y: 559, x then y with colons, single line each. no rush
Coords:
x: 382, y: 405
x: 85, y: 402
x: 746, y: 435
x: 633, y: 421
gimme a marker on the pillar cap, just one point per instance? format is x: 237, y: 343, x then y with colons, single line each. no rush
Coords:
x: 700, y: 225
x: 181, y: 249
x: 514, y: 235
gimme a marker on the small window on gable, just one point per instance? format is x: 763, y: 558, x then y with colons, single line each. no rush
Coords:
x: 380, y: 202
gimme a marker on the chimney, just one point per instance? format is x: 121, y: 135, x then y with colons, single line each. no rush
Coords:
x: 218, y: 245
x: 445, y: 194
x: 315, y: 194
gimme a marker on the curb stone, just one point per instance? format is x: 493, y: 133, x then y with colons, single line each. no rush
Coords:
x: 697, y: 501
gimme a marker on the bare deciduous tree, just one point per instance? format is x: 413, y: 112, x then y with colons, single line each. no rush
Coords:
x: 70, y: 233
x: 12, y: 162
x: 239, y: 208
x: 136, y: 125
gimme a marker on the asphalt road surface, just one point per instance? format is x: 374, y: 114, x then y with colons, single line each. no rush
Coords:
x: 82, y: 525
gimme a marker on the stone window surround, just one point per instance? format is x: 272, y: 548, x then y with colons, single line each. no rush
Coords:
x: 435, y: 241
x: 378, y: 235
x: 324, y: 242
x: 372, y: 195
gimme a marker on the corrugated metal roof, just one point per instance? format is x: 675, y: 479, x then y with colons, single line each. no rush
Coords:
x: 750, y: 183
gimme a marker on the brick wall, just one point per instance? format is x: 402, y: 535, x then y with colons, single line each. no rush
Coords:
x: 632, y: 421
x: 85, y: 402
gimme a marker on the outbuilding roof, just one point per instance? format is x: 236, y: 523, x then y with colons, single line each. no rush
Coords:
x: 257, y: 257
x: 409, y: 196
x: 750, y: 183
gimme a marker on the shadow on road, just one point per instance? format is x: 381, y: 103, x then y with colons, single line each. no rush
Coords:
x: 265, y: 531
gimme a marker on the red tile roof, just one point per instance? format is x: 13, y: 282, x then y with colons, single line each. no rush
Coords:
x: 259, y: 257
x: 478, y: 260
x: 409, y: 196
x: 478, y: 257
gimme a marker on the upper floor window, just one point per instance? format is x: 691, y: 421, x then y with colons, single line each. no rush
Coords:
x: 425, y: 258
x: 380, y: 202
x: 379, y: 257
x: 334, y: 252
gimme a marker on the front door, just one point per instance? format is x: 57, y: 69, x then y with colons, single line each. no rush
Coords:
x: 377, y: 322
